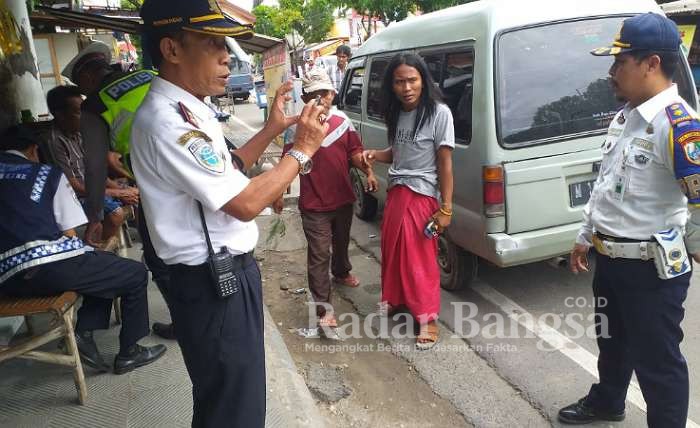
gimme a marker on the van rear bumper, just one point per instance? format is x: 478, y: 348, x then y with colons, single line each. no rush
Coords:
x: 527, y: 247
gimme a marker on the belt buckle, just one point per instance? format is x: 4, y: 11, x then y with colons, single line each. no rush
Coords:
x: 599, y: 246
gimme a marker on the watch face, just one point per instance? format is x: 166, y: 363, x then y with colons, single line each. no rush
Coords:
x: 306, y: 166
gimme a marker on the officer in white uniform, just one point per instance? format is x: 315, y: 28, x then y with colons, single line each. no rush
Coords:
x: 180, y: 159
x: 637, y: 219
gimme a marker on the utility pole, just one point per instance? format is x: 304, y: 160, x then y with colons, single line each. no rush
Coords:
x: 20, y: 85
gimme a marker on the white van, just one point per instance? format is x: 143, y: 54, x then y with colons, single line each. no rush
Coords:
x: 531, y: 107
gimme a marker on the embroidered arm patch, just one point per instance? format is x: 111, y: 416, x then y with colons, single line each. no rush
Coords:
x: 199, y: 145
x: 684, y: 142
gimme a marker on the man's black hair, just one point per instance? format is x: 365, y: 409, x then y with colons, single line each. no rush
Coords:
x: 57, y: 98
x: 17, y: 138
x: 343, y: 49
x: 153, y: 39
x: 669, y: 60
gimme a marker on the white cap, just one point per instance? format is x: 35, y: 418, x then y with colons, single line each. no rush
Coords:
x: 97, y: 51
x: 317, y: 80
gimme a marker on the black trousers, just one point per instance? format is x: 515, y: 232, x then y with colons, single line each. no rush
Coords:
x: 643, y: 314
x: 99, y: 277
x: 222, y: 344
x: 159, y: 270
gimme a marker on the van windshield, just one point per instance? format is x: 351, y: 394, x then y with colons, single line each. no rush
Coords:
x: 237, y: 66
x: 549, y: 86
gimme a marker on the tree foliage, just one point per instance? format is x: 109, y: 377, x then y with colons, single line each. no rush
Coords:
x: 385, y: 10
x: 388, y: 11
x: 310, y: 19
x: 131, y: 4
x: 427, y: 6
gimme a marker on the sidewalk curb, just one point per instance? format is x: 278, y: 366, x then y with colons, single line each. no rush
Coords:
x: 289, y: 403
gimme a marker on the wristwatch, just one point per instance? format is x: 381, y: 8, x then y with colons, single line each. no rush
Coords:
x: 305, y: 162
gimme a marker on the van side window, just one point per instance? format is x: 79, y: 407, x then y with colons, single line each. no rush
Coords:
x: 353, y: 94
x: 434, y: 63
x: 453, y: 72
x: 374, y: 96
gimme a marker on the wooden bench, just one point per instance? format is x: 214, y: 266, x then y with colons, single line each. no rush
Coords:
x: 61, y: 307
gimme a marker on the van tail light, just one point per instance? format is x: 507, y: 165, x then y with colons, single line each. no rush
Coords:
x: 494, y: 191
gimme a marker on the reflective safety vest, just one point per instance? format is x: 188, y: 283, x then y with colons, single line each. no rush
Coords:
x: 121, y: 99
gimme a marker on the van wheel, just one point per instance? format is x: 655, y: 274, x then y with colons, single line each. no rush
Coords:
x: 365, y: 204
x: 458, y: 268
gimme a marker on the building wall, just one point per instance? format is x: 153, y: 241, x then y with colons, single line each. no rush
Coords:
x: 66, y: 48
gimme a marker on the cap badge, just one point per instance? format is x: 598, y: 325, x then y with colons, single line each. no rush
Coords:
x: 618, y: 36
x: 214, y: 6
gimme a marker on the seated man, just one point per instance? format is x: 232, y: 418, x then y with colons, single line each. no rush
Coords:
x: 40, y: 254
x: 66, y: 145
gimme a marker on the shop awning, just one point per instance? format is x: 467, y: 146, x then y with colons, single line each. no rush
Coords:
x: 325, y: 48
x: 107, y: 20
x: 682, y: 7
x: 258, y: 43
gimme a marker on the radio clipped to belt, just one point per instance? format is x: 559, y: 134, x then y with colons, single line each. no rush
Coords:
x: 221, y: 265
x: 670, y: 255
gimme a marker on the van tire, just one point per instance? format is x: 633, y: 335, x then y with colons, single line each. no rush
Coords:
x: 458, y: 268
x: 365, y: 205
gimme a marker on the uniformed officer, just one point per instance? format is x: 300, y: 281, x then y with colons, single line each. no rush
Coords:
x: 637, y: 219
x: 41, y: 255
x: 105, y: 124
x: 180, y: 159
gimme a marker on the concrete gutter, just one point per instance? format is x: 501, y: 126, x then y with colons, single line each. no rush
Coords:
x: 290, y: 403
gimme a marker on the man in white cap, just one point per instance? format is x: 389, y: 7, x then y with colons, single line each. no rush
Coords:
x: 326, y: 197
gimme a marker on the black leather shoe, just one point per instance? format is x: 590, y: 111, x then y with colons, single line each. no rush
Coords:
x: 163, y: 330
x: 136, y: 357
x: 579, y: 413
x: 89, y: 355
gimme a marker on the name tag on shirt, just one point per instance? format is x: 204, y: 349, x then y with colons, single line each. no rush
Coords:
x: 645, y: 144
x: 614, y: 132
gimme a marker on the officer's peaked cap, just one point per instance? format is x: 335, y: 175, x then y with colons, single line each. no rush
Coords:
x: 200, y: 16
x: 648, y: 32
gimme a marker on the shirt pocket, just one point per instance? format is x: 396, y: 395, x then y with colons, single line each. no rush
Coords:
x: 642, y: 165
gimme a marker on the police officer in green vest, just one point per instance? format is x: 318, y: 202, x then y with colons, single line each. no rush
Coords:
x: 107, y: 113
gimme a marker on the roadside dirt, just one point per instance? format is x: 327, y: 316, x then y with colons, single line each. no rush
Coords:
x: 384, y: 390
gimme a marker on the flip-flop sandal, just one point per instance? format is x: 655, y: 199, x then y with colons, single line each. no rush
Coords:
x: 327, y: 321
x: 428, y: 337
x: 349, y: 281
x: 385, y: 309
x: 328, y: 327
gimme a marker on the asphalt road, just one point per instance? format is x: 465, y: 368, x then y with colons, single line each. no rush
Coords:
x: 531, y: 325
x: 552, y: 367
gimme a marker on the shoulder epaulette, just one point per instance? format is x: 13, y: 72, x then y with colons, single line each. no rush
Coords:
x: 677, y: 113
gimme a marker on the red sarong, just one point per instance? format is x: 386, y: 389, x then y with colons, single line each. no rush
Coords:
x: 410, y: 273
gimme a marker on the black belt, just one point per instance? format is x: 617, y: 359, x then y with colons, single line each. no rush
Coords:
x: 605, y: 237
x: 239, y: 262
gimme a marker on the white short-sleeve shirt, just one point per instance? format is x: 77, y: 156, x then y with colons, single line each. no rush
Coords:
x: 179, y: 157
